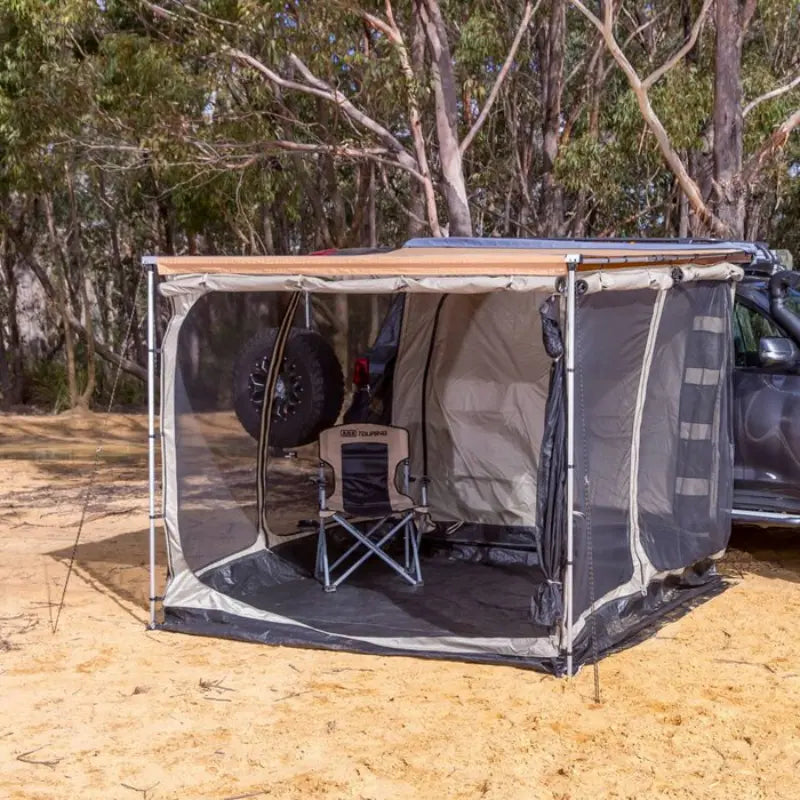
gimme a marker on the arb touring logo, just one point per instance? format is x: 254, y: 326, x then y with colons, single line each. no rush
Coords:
x: 358, y: 432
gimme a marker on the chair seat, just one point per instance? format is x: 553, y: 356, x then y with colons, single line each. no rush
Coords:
x: 400, y: 506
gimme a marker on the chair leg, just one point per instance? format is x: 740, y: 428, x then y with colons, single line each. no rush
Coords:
x: 322, y: 558
x: 412, y: 535
x: 372, y: 549
x: 352, y: 549
x: 407, y: 546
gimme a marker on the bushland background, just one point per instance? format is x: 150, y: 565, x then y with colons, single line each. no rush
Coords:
x: 252, y: 126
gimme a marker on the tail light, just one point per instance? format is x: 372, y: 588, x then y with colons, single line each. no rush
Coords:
x: 361, y: 373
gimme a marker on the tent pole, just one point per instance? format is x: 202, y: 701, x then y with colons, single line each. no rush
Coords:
x: 572, y: 264
x: 149, y: 264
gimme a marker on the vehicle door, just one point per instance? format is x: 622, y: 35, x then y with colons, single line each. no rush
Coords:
x: 766, y: 415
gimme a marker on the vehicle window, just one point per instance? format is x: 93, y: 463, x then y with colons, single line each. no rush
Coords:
x: 749, y: 327
x: 792, y: 301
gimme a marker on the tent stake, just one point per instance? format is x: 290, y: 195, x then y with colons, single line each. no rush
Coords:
x: 572, y: 264
x: 151, y: 428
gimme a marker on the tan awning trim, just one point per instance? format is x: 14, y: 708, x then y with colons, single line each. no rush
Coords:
x: 423, y: 262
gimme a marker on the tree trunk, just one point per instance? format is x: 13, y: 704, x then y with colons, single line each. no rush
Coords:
x: 267, y: 232
x: 14, y: 390
x: 131, y: 367
x: 446, y: 100
x: 372, y: 216
x: 552, y: 211
x: 313, y: 188
x: 729, y: 200
x: 61, y: 297
x: 69, y: 340
x: 330, y: 181
x: 85, y: 398
x: 5, y: 374
x: 683, y: 215
x: 420, y: 197
x: 78, y: 268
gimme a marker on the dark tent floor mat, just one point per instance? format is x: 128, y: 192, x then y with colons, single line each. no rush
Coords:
x: 458, y: 598
x: 461, y: 600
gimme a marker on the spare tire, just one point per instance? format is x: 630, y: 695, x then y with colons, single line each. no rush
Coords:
x: 309, y: 392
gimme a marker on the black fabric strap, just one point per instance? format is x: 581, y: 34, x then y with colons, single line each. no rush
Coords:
x: 266, y: 410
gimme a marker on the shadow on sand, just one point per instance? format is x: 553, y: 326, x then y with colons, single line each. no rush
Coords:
x: 118, y: 567
x: 769, y: 552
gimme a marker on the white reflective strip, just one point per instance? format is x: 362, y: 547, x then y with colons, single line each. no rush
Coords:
x: 638, y: 553
x: 699, y: 376
x: 697, y: 431
x: 692, y: 487
x: 709, y: 324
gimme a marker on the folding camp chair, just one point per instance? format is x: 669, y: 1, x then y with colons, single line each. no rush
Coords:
x: 366, y: 500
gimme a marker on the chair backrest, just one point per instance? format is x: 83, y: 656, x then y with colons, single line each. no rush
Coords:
x: 364, y: 459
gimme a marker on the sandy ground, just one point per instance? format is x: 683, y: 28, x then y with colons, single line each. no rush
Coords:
x: 708, y: 707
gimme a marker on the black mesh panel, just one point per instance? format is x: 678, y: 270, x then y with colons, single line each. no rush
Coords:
x: 365, y: 478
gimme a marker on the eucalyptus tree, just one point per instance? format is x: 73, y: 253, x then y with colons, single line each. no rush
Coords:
x: 345, y: 82
x: 739, y: 32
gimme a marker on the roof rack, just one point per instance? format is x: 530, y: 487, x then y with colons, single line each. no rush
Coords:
x: 763, y: 261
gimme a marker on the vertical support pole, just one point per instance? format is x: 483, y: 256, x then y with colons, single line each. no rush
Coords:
x: 408, y: 534
x: 572, y: 265
x: 307, y: 309
x: 151, y: 427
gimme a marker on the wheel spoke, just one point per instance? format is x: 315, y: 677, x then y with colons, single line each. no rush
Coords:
x: 289, y: 388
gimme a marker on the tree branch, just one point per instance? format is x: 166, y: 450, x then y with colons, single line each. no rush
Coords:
x: 392, y: 32
x: 318, y: 88
x: 527, y: 15
x: 687, y: 184
x: 776, y: 92
x: 659, y: 73
x: 446, y: 115
x: 771, y: 147
x: 379, y: 155
x: 131, y: 367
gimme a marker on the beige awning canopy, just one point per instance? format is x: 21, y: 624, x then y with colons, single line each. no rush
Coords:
x: 446, y: 261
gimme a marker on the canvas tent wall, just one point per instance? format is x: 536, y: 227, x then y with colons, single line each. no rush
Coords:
x: 627, y: 424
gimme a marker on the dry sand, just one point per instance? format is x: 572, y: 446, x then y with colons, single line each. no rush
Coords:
x: 707, y: 708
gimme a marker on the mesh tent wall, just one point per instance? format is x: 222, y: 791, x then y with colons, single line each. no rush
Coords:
x: 577, y: 397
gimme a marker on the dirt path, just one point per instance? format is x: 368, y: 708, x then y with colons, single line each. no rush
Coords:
x: 708, y: 708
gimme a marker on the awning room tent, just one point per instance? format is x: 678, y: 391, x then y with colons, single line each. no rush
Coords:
x: 573, y: 402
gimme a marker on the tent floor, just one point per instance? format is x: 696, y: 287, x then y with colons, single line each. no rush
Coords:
x: 466, y: 611
x: 458, y: 599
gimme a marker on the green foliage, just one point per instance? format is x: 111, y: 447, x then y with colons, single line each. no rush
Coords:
x: 47, y: 386
x: 683, y: 100
x: 145, y: 135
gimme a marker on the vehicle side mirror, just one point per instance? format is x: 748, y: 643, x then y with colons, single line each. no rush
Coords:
x: 777, y: 351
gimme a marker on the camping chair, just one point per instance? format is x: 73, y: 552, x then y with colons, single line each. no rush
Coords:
x: 365, y: 500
